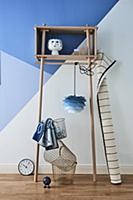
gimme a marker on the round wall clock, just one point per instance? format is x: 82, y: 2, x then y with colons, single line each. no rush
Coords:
x: 26, y: 167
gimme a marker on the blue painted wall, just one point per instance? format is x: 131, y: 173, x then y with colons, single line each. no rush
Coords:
x: 18, y: 17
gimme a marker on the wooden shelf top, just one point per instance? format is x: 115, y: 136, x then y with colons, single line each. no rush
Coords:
x: 65, y: 57
x: 59, y: 29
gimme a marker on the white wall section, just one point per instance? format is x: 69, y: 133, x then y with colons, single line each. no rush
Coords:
x: 114, y: 38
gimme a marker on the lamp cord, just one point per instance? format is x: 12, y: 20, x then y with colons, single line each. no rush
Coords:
x: 74, y: 78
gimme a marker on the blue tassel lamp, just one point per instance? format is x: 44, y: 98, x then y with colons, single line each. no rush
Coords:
x: 74, y: 103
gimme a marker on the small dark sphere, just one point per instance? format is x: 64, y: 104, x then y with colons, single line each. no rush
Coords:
x: 46, y: 181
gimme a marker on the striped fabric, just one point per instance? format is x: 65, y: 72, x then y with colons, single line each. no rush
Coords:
x: 103, y: 64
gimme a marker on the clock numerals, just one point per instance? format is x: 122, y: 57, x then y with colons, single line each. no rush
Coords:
x: 26, y: 167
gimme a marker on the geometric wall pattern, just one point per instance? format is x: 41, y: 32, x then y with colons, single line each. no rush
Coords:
x: 116, y: 41
x: 19, y: 83
x: 110, y: 39
x: 19, y: 75
x: 17, y: 19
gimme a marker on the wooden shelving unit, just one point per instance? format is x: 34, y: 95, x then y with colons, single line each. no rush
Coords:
x: 43, y: 58
x: 65, y: 57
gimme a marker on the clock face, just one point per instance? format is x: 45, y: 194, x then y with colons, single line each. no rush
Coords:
x: 26, y: 167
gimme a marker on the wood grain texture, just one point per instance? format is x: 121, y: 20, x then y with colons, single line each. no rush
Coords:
x: 41, y: 81
x: 65, y: 57
x: 17, y: 187
x: 70, y: 29
x: 92, y: 125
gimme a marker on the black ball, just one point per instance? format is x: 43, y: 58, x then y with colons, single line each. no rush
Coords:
x: 46, y: 180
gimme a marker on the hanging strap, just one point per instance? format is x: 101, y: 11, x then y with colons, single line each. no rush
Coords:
x: 49, y: 140
x: 39, y: 132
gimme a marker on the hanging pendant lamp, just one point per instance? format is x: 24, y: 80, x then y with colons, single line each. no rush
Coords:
x: 74, y: 103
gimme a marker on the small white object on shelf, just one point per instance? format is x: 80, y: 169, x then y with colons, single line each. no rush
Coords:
x: 55, y: 45
x: 76, y: 51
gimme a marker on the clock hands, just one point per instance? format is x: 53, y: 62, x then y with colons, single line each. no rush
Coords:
x: 26, y: 167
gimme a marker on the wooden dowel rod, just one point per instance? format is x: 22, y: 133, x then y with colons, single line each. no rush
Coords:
x: 92, y: 128
x: 95, y: 43
x: 36, y: 163
x: 43, y: 42
x: 66, y: 28
x: 62, y: 63
x: 64, y: 57
x: 88, y: 43
x: 36, y: 43
x: 39, y: 117
x: 40, y: 104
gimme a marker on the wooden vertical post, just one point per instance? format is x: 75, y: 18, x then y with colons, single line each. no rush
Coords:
x: 95, y: 43
x: 91, y: 111
x: 36, y: 42
x: 40, y: 103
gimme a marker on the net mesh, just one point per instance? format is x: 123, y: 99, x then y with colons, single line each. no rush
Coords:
x: 62, y: 157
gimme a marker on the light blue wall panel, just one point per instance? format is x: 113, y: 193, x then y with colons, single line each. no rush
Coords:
x: 19, y: 82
